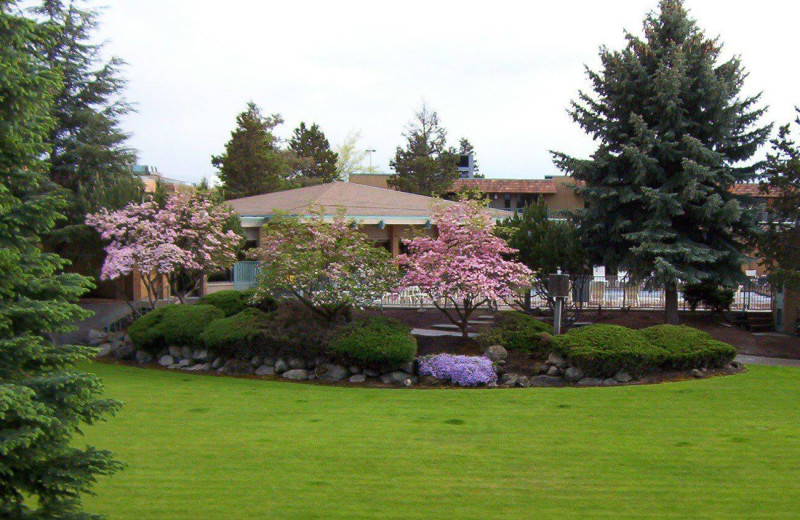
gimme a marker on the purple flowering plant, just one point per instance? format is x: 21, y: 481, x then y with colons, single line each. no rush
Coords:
x: 460, y: 370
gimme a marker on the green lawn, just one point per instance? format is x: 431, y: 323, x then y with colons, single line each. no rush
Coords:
x: 210, y: 447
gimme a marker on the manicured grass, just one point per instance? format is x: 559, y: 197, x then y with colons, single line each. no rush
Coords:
x: 211, y: 447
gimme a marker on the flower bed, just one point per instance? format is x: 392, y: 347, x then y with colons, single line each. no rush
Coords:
x: 459, y: 370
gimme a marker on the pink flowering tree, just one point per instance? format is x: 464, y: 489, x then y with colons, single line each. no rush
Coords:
x: 179, y: 242
x: 326, y: 264
x: 465, y: 266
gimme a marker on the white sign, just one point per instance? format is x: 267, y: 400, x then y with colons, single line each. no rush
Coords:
x: 599, y: 271
x: 751, y: 273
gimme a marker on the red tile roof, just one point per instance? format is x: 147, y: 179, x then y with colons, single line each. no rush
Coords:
x: 506, y: 185
x: 752, y: 189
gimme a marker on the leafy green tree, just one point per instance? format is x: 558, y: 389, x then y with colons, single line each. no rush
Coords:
x: 350, y: 156
x: 88, y: 152
x: 44, y: 402
x: 253, y: 162
x: 779, y: 242
x: 316, y: 162
x: 675, y: 133
x: 545, y: 246
x: 426, y: 165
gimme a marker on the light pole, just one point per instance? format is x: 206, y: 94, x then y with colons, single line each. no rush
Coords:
x: 370, y: 152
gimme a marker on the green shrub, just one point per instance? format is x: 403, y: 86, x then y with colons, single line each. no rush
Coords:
x: 233, y: 302
x: 145, y: 332
x: 713, y: 296
x: 518, y: 331
x: 238, y: 335
x: 603, y: 350
x: 378, y: 342
x: 183, y: 324
x: 294, y: 330
x: 688, y: 347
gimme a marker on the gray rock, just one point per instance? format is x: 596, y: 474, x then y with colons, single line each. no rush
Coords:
x: 105, y: 349
x: 491, y: 385
x: 543, y: 369
x: 590, y: 381
x: 281, y: 366
x: 195, y: 368
x: 496, y: 353
x: 296, y: 374
x: 166, y: 361
x: 385, y: 379
x: 256, y: 361
x: 408, y: 382
x: 573, y: 374
x: 126, y: 351
x: 331, y: 372
x: 143, y: 357
x: 610, y: 382
x: 174, y: 366
x: 736, y: 365
x: 186, y: 352
x: 523, y: 382
x: 546, y: 380
x: 184, y: 363
x: 358, y: 378
x: 265, y: 370
x: 397, y: 377
x: 320, y: 360
x: 371, y: 373
x: 554, y: 371
x: 218, y: 362
x: 296, y: 362
x: 429, y: 381
x: 622, y: 377
x: 354, y: 369
x: 234, y: 366
x: 96, y: 336
x: 407, y: 367
x: 268, y: 361
x: 200, y: 355
x: 174, y: 351
x: 509, y: 379
x: 555, y: 359
x: 696, y: 373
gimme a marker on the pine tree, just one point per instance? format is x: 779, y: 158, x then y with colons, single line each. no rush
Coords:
x: 43, y: 401
x: 674, y: 132
x: 426, y: 166
x: 253, y: 162
x: 779, y: 242
x: 88, y: 156
x: 316, y: 162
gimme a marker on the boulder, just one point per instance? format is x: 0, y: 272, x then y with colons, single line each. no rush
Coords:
x: 218, y: 362
x: 407, y: 367
x: 408, y: 382
x: 126, y: 351
x: 358, y: 378
x: 397, y: 377
x: 105, y: 349
x: 143, y: 357
x: 281, y: 366
x: 609, y: 381
x: 491, y: 385
x: 265, y: 370
x: 573, y: 374
x: 296, y: 374
x: 696, y: 373
x: 184, y: 363
x: 196, y: 368
x: 496, y: 353
x: 546, y: 380
x: 296, y: 362
x: 736, y: 365
x: 234, y: 366
x: 174, y: 351
x: 257, y: 361
x: 590, y: 381
x: 429, y: 381
x: 523, y: 382
x: 96, y: 336
x: 553, y: 371
x: 268, y: 361
x: 354, y: 369
x: 555, y: 359
x: 622, y: 377
x: 166, y: 361
x: 186, y: 352
x: 543, y: 369
x: 371, y: 373
x: 331, y: 372
x: 200, y: 355
x: 509, y: 379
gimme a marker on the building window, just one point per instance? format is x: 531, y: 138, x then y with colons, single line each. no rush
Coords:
x: 507, y: 201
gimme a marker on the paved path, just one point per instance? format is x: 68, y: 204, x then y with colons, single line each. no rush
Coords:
x: 104, y: 313
x: 768, y: 361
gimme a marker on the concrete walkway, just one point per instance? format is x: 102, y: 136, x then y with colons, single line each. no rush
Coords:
x: 104, y: 313
x: 768, y: 361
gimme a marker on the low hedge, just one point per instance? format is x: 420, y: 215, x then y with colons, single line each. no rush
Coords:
x: 172, y: 325
x: 236, y: 335
x: 145, y: 332
x: 603, y: 350
x: 689, y: 348
x: 294, y: 330
x: 379, y: 343
x: 233, y: 302
x: 518, y: 331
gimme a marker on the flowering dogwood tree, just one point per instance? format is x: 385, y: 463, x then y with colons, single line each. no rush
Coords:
x: 328, y: 265
x: 465, y: 266
x: 184, y: 239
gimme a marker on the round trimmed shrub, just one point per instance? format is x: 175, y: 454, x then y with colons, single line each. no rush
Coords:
x: 236, y: 335
x: 688, y: 347
x: 183, y: 324
x: 603, y: 350
x: 145, y: 332
x: 379, y: 343
x: 518, y: 331
x: 233, y: 302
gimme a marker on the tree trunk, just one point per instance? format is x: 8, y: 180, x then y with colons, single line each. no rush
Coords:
x: 671, y: 303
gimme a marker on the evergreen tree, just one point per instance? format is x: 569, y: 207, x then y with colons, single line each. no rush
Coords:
x: 426, y: 166
x: 43, y: 401
x: 674, y: 131
x: 88, y: 153
x: 253, y: 162
x: 779, y: 242
x: 316, y: 162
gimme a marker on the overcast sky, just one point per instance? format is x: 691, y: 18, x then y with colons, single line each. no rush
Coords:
x: 498, y: 73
